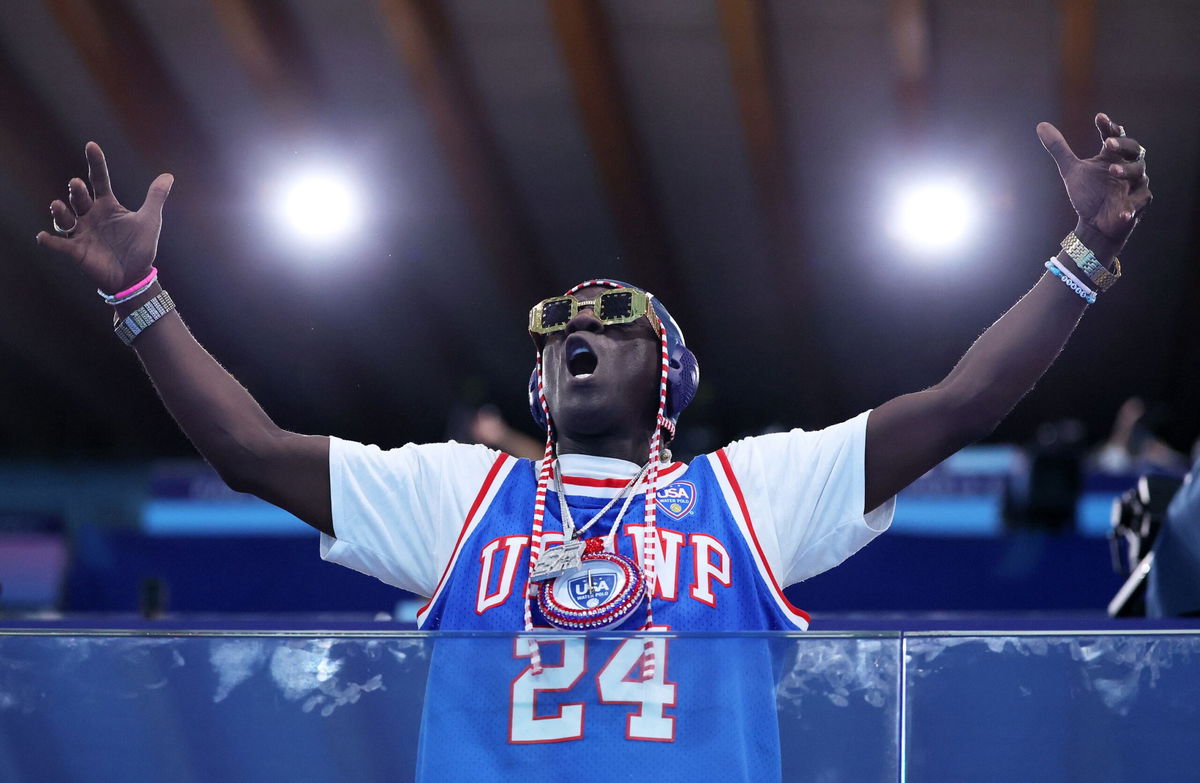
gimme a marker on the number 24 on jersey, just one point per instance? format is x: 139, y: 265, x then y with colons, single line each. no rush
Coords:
x: 617, y: 682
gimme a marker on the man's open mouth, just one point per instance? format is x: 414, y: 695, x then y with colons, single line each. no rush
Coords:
x: 581, y: 361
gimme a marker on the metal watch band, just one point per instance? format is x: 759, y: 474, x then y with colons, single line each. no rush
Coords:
x: 137, y: 322
x: 1087, y: 262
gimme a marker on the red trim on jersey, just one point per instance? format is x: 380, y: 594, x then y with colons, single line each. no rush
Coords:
x: 737, y: 491
x: 581, y: 481
x: 608, y: 483
x: 487, y: 484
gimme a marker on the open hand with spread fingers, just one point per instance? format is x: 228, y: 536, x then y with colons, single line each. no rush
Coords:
x: 1109, y: 191
x: 112, y: 245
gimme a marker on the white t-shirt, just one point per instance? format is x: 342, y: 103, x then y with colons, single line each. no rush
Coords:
x: 397, y: 513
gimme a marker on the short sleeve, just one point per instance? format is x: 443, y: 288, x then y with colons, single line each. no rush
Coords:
x: 805, y: 493
x: 397, y: 512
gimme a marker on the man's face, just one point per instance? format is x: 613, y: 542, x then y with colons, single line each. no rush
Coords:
x: 601, y: 379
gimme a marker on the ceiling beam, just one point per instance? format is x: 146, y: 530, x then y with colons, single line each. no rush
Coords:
x: 584, y: 40
x: 33, y: 150
x: 743, y: 25
x: 908, y: 23
x: 267, y: 41
x: 745, y: 28
x: 1078, y: 71
x: 426, y: 43
x: 121, y: 57
x: 122, y: 60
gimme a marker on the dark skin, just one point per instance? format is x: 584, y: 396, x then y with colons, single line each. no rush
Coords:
x: 612, y: 413
x: 910, y: 434
x: 592, y: 415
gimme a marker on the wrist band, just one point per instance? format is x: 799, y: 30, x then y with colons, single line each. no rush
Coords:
x: 140, y: 319
x: 1072, y: 282
x: 1088, y: 263
x: 132, y: 291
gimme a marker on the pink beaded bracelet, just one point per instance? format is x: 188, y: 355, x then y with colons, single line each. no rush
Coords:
x: 131, y: 291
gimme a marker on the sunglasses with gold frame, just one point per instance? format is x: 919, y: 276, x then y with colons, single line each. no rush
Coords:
x: 617, y: 306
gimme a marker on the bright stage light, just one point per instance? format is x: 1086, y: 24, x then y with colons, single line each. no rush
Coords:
x: 321, y: 206
x: 933, y: 218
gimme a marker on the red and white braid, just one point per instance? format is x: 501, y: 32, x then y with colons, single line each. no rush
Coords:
x: 650, y: 539
x: 539, y: 513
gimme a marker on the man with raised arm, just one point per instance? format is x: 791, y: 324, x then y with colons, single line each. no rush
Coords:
x: 605, y: 532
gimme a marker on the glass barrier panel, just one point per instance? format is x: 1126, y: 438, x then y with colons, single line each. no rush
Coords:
x: 1052, y: 707
x: 372, y: 706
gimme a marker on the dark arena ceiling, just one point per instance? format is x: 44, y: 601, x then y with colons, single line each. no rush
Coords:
x: 734, y: 156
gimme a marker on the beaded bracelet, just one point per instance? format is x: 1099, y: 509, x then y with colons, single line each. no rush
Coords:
x: 1072, y: 282
x: 132, y: 291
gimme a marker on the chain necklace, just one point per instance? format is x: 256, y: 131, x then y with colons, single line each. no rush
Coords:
x: 570, y: 532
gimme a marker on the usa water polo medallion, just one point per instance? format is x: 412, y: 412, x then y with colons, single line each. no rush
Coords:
x: 677, y: 499
x: 604, y: 590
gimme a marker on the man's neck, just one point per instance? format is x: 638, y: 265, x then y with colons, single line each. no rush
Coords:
x: 633, y: 448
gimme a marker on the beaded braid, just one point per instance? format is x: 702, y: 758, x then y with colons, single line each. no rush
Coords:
x: 650, y: 539
x: 539, y: 512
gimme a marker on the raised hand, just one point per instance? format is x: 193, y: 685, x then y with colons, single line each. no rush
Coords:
x: 113, y: 246
x: 1110, y: 190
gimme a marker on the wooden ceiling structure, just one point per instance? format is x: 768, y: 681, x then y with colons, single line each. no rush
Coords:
x: 274, y: 49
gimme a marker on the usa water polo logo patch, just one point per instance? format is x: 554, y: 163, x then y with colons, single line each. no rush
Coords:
x: 677, y: 499
x: 591, y: 589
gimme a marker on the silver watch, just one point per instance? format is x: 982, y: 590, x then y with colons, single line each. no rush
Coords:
x: 140, y: 319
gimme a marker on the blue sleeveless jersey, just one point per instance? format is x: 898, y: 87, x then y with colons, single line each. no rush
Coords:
x: 708, y: 713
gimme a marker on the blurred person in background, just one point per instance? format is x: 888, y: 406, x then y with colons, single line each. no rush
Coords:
x: 1173, y: 584
x: 489, y: 428
x: 1133, y: 446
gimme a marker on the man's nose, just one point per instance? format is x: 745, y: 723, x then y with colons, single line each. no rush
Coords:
x: 585, y: 321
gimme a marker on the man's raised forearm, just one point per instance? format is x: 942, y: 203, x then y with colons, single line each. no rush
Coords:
x: 115, y: 248
x: 228, y: 427
x: 216, y: 413
x: 908, y: 435
x: 1014, y: 352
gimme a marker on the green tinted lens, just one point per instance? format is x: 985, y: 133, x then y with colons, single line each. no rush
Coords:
x: 556, y: 313
x: 614, y: 306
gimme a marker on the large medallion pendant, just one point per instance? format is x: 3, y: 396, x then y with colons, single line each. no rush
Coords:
x: 601, y: 593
